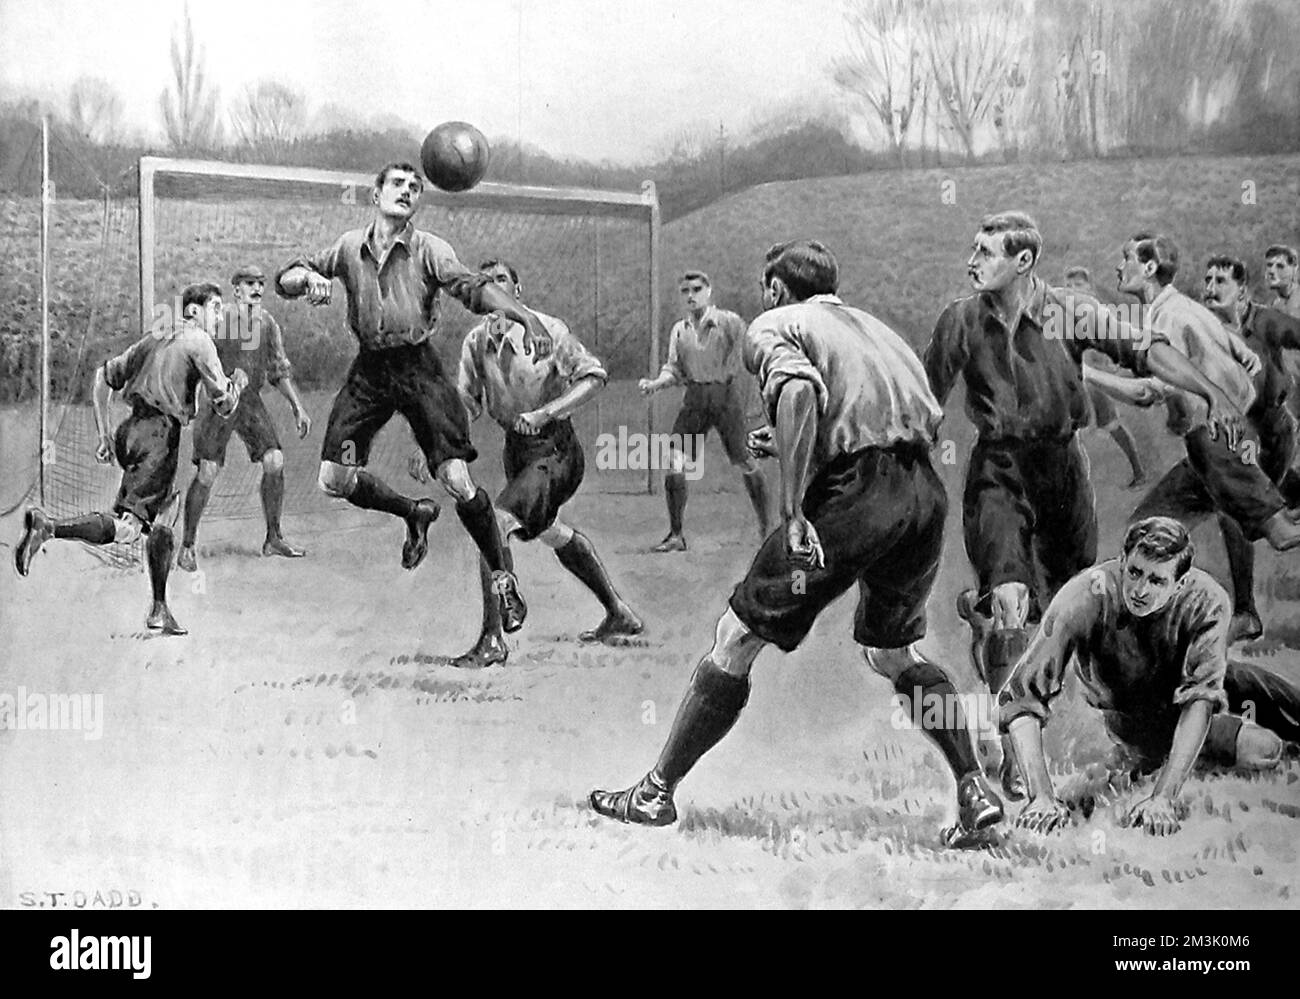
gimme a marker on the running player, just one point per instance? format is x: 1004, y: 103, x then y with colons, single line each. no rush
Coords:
x: 394, y: 275
x: 252, y: 338
x: 1028, y: 508
x: 1148, y: 635
x: 158, y: 376
x: 1280, y: 272
x: 533, y: 401
x: 1269, y: 333
x: 854, y: 424
x: 1104, y: 414
x: 704, y: 355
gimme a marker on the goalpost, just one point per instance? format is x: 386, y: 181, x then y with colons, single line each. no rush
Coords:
x: 589, y: 257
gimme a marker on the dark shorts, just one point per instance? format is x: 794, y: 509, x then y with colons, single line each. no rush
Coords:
x: 1146, y: 737
x: 1212, y: 479
x: 542, y: 474
x: 879, y: 514
x: 251, y: 421
x: 409, y: 380
x: 148, y: 446
x: 714, y: 405
x: 1028, y: 509
x: 1104, y: 413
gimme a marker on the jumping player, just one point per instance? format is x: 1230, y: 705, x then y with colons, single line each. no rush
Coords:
x: 1269, y: 333
x: 1148, y: 634
x: 1104, y: 414
x: 257, y: 344
x: 1028, y: 508
x: 703, y: 354
x: 854, y: 424
x: 533, y: 401
x: 394, y: 275
x: 158, y: 376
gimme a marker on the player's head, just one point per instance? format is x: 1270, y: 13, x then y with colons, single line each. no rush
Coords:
x: 201, y: 303
x: 696, y: 291
x: 1147, y: 256
x: 798, y: 270
x: 1078, y: 279
x: 504, y: 273
x: 249, y: 284
x: 1226, y: 283
x: 1157, y: 554
x: 1006, y: 247
x: 398, y: 187
x: 1280, y: 267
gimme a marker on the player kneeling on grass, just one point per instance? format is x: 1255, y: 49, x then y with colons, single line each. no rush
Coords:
x: 532, y: 399
x: 854, y: 424
x: 257, y: 346
x: 158, y: 375
x: 395, y: 276
x: 1149, y: 636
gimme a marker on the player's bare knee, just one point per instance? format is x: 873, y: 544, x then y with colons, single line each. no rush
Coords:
x: 735, y: 647
x: 337, y: 480
x: 1258, y: 748
x: 126, y: 528
x: 455, y: 478
x: 676, y: 461
x: 1010, y: 605
x: 889, y: 663
x: 208, y: 472
x: 556, y: 536
x: 273, y: 462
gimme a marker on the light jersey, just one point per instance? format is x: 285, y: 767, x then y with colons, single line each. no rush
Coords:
x: 871, y: 388
x: 707, y: 352
x: 494, y: 370
x: 1198, y: 334
x: 165, y: 367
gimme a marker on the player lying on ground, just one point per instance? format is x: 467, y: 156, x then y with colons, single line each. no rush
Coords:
x: 394, y: 276
x: 1268, y: 332
x: 1104, y: 414
x: 1028, y: 512
x: 704, y: 354
x: 253, y: 342
x: 1149, y: 637
x: 533, y: 399
x: 158, y: 376
x: 854, y: 424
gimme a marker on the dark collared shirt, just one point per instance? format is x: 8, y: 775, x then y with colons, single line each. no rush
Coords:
x: 1268, y: 332
x: 1027, y: 384
x: 253, y: 341
x: 1132, y: 665
x: 393, y: 301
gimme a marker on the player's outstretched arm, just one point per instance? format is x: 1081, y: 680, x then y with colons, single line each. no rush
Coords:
x: 1170, y: 366
x: 494, y: 298
x: 577, y: 396
x: 1133, y: 391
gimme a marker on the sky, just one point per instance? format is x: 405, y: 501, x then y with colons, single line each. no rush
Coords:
x: 596, y: 79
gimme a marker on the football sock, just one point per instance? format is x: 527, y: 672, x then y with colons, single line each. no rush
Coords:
x: 371, y: 493
x: 94, y: 528
x: 196, y: 498
x: 923, y: 684
x: 580, y: 558
x: 711, y: 706
x: 675, y: 494
x: 158, y: 551
x: 481, y: 522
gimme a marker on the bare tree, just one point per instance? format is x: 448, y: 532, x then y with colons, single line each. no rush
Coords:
x: 885, y: 67
x: 95, y: 111
x: 189, y: 108
x: 269, y: 116
x: 971, y: 50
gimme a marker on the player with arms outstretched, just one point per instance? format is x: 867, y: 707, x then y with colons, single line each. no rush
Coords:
x: 862, y: 505
x: 533, y: 401
x: 257, y: 346
x: 158, y: 376
x: 395, y: 275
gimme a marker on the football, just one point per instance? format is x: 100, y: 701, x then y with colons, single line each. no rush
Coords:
x: 455, y: 156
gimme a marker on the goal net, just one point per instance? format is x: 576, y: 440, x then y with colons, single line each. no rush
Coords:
x: 586, y: 256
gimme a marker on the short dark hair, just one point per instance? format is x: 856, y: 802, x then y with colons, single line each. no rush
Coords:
x: 805, y: 266
x: 388, y: 168
x: 1234, y: 265
x: 1078, y: 272
x: 695, y: 276
x: 1160, y: 248
x: 199, y: 294
x: 1161, y: 538
x: 487, y: 265
x: 1279, y: 250
x: 1019, y: 232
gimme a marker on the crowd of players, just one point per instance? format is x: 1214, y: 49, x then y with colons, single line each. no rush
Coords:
x: 852, y: 415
